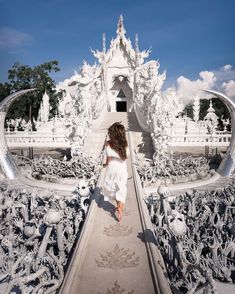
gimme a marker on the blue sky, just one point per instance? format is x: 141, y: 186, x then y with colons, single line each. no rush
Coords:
x: 186, y: 36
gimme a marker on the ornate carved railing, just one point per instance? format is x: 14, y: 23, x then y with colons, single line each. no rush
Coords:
x: 22, y: 139
x: 34, y: 139
x: 202, y: 140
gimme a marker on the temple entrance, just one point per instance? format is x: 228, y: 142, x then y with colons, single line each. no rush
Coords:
x: 121, y: 103
x: 121, y: 95
x: 121, y: 106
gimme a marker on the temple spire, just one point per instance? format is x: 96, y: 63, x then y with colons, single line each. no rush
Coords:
x: 120, y: 27
x: 136, y: 43
x: 136, y: 49
x: 104, y: 43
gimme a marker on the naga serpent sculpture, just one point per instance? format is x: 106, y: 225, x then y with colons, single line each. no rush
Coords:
x: 7, y: 162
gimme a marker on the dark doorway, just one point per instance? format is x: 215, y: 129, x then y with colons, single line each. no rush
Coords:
x: 121, y: 106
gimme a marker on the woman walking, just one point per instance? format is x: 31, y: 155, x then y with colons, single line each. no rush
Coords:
x: 116, y: 173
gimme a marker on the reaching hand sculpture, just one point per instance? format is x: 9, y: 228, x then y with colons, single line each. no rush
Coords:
x: 170, y: 169
x: 37, y: 235
x: 202, y: 251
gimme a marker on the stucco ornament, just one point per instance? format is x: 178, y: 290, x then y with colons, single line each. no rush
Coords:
x: 37, y: 234
x: 177, y: 223
x: 195, y: 235
x: 83, y: 188
x: 155, y: 109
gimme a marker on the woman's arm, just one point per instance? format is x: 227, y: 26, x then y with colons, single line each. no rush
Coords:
x: 108, y: 158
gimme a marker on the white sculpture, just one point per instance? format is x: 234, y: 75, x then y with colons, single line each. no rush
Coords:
x: 195, y: 237
x: 43, y: 114
x: 211, y: 119
x: 177, y: 223
x: 37, y: 234
x: 83, y: 188
x: 196, y: 108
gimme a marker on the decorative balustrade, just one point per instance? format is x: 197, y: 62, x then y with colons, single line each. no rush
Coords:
x: 200, y: 140
x: 34, y: 139
x: 22, y: 139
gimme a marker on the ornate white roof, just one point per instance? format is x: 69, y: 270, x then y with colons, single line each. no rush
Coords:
x: 121, y: 53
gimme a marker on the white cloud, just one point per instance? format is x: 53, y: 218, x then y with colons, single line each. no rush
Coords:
x: 228, y: 88
x: 187, y: 89
x: 225, y: 74
x: 222, y: 80
x: 10, y: 38
x: 226, y: 67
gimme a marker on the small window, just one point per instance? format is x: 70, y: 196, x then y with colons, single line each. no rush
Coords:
x: 121, y: 94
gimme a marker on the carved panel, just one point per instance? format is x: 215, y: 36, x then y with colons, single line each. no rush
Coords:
x: 117, y: 230
x: 118, y: 258
x: 117, y: 290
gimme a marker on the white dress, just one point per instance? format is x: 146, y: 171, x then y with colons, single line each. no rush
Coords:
x: 115, y: 181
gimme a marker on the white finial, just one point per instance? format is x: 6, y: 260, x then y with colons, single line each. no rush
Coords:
x: 136, y: 43
x: 120, y: 27
x: 196, y: 108
x: 104, y: 43
x: 211, y: 108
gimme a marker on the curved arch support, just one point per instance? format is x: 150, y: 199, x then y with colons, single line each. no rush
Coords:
x: 7, y: 162
x: 227, y: 165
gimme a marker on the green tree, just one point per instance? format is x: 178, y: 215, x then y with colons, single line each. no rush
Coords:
x: 204, y: 105
x: 25, y: 77
x: 221, y: 109
x: 188, y: 110
x: 5, y: 90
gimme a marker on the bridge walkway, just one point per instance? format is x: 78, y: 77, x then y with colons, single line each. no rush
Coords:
x: 113, y: 257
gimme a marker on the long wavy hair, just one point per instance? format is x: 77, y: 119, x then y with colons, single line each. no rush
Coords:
x: 118, y: 140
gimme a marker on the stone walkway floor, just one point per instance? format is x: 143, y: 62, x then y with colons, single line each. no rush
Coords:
x: 112, y: 257
x: 114, y: 254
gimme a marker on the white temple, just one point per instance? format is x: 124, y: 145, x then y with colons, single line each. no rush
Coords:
x: 121, y: 80
x: 113, y: 77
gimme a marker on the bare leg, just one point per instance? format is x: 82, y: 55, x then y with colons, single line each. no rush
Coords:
x: 120, y: 206
x: 116, y: 208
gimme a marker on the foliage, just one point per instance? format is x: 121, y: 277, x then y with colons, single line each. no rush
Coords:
x: 220, y: 109
x: 5, y: 90
x: 188, y: 110
x: 219, y: 106
x: 26, y: 77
